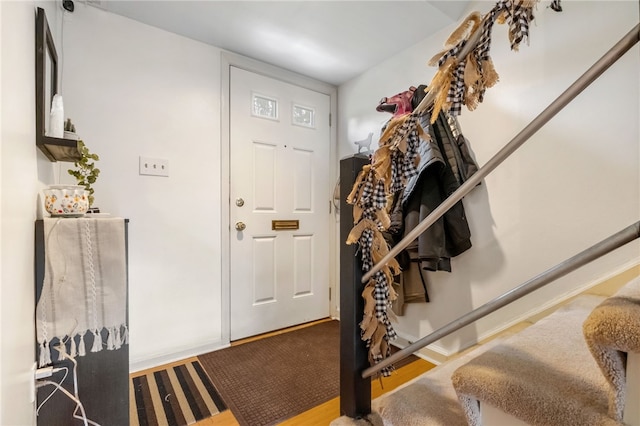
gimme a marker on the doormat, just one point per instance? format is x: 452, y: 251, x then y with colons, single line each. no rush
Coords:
x: 267, y: 381
x: 177, y: 396
x: 270, y: 380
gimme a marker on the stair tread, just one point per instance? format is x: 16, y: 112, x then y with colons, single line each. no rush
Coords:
x: 428, y: 400
x: 544, y: 375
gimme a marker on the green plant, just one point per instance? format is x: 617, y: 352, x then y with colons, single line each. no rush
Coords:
x: 86, y: 171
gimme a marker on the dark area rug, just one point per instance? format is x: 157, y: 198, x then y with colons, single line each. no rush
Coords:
x: 177, y: 396
x: 267, y: 381
x: 272, y: 379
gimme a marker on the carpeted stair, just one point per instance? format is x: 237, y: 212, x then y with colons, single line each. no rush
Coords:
x: 569, y: 368
x: 544, y: 375
x: 427, y: 400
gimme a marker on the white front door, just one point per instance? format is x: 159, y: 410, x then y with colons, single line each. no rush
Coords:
x: 279, y: 210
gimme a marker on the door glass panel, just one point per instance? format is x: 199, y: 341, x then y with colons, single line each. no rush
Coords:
x: 304, y: 116
x: 264, y: 106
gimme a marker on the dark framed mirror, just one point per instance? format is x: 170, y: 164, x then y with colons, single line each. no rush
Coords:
x: 56, y: 149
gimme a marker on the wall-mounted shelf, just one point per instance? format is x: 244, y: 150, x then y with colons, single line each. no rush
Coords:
x: 57, y: 149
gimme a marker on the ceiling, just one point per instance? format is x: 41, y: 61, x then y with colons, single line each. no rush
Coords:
x: 332, y: 41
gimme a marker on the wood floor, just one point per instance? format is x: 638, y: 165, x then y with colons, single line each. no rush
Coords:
x: 322, y: 414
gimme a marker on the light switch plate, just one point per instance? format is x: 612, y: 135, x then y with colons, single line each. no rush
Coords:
x: 154, y: 166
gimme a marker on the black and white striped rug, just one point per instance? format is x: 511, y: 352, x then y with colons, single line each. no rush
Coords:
x: 177, y: 396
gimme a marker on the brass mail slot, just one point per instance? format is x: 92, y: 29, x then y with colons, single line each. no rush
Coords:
x: 283, y: 225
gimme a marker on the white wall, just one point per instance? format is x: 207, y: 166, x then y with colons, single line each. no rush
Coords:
x: 574, y: 183
x: 1, y: 203
x: 19, y: 180
x: 133, y: 90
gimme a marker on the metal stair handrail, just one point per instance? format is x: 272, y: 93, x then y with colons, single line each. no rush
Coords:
x: 605, y: 246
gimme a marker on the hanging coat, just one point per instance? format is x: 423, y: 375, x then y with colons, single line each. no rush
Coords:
x: 445, y: 163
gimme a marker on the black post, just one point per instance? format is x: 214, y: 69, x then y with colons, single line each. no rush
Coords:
x: 355, y: 392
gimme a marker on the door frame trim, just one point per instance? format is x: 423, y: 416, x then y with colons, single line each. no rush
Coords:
x: 227, y: 60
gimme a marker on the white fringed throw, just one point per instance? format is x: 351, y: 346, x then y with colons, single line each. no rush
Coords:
x: 84, y: 288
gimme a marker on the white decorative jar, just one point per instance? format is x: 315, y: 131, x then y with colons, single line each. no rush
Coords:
x: 66, y: 200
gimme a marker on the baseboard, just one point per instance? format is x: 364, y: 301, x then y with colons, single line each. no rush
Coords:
x: 432, y: 353
x: 155, y: 361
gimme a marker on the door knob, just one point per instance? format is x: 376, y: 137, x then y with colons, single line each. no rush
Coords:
x: 240, y: 226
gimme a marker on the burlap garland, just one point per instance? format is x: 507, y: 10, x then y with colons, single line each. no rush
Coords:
x: 392, y: 164
x: 463, y: 81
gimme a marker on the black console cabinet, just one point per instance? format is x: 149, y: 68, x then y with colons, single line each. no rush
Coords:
x: 103, y: 377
